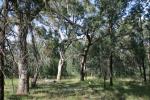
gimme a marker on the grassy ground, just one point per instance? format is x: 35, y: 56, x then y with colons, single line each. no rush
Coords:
x: 73, y: 89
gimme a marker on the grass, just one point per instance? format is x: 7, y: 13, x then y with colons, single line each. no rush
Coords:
x: 73, y: 89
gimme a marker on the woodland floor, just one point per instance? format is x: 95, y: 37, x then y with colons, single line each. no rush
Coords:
x: 73, y: 89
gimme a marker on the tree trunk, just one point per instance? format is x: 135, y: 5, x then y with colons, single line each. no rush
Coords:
x: 110, y: 30
x: 84, y: 57
x: 60, y: 67
x: 37, y: 57
x: 61, y: 63
x: 34, y: 80
x: 82, y: 70
x: 105, y: 74
x: 140, y: 71
x: 23, y: 85
x: 149, y: 64
x: 111, y: 70
x: 149, y: 56
x: 83, y: 62
x: 1, y: 65
x: 144, y: 70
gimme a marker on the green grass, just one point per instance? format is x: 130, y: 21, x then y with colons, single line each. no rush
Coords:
x: 73, y: 89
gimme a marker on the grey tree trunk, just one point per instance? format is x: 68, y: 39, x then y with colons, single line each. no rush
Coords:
x: 60, y: 67
x: 23, y: 85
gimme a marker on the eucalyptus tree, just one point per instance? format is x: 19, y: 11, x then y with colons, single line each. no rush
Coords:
x: 139, y: 35
x: 83, y: 18
x: 86, y: 26
x: 112, y: 12
x: 24, y: 11
x: 63, y: 17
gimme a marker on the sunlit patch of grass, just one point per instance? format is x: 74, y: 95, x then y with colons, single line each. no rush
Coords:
x: 90, y: 89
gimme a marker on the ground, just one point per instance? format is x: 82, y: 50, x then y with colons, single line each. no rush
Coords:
x: 73, y: 89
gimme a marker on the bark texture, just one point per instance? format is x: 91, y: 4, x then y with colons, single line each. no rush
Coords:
x: 23, y: 85
x: 84, y: 57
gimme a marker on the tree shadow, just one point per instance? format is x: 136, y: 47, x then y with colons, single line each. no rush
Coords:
x: 18, y: 97
x: 87, y: 89
x: 65, y: 89
x: 131, y: 88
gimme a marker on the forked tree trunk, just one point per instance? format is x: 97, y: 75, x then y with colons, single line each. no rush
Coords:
x: 83, y: 62
x: 84, y: 57
x: 60, y: 67
x: 23, y: 85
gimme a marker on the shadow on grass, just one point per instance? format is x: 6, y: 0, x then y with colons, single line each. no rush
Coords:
x: 87, y: 89
x: 65, y: 89
x: 17, y: 97
x: 131, y: 88
x: 119, y: 91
